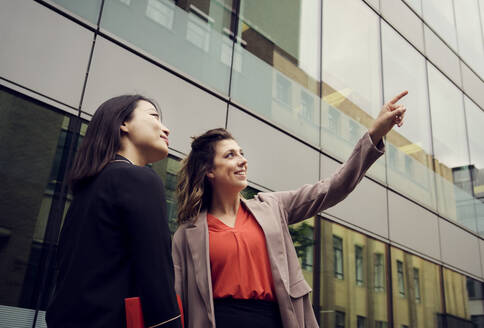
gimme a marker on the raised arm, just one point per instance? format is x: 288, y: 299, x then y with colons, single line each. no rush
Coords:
x: 309, y: 200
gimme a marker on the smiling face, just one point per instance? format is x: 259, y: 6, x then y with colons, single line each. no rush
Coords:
x: 229, y: 170
x: 146, y: 133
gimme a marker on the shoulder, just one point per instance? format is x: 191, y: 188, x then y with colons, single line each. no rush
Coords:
x: 267, y: 198
x: 128, y: 175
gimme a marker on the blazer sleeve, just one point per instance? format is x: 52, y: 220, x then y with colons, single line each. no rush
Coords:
x: 309, y: 200
x: 140, y: 198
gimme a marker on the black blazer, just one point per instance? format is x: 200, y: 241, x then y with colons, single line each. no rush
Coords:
x: 115, y: 243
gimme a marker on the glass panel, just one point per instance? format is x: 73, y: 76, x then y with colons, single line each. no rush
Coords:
x: 48, y: 288
x: 194, y: 36
x: 450, y: 148
x: 338, y: 257
x: 249, y: 192
x: 416, y: 5
x: 302, y: 235
x: 400, y: 276
x: 409, y: 148
x: 379, y: 276
x: 416, y: 291
x: 351, y: 77
x: 456, y: 297
x: 88, y: 9
x: 360, y: 322
x: 416, y: 284
x: 468, y: 34
x: 439, y: 14
x: 475, y: 292
x: 374, y: 3
x: 276, y: 69
x: 359, y: 265
x: 481, y: 9
x: 31, y: 156
x: 475, y: 122
x: 339, y: 319
x: 168, y: 170
x: 365, y: 304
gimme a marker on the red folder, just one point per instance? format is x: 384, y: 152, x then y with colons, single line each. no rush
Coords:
x: 134, y: 313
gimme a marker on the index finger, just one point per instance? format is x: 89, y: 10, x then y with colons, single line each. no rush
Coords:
x: 397, y: 98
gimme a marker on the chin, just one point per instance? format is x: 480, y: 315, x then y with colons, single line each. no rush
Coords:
x: 243, y: 185
x: 159, y: 155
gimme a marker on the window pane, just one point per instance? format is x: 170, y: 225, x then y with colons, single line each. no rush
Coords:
x: 481, y: 8
x: 469, y: 39
x: 302, y: 235
x: 475, y: 122
x: 416, y: 284
x: 338, y: 257
x: 454, y: 198
x: 409, y: 148
x: 368, y: 301
x: 277, y: 70
x: 193, y: 36
x: 34, y: 142
x: 400, y: 276
x: 359, y: 265
x: 88, y: 9
x: 439, y: 14
x: 420, y: 280
x: 351, y: 76
x: 416, y: 5
x: 379, y: 272
x: 168, y: 170
x: 339, y: 321
x: 456, y: 297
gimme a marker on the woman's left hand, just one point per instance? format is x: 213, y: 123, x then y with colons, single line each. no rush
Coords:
x: 390, y: 114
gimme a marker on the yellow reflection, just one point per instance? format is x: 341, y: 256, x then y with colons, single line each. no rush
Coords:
x: 336, y: 98
x: 357, y: 286
x: 302, y: 234
x: 456, y: 299
x: 416, y: 290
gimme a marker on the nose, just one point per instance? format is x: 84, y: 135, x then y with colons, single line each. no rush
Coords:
x: 242, y: 161
x: 165, y: 130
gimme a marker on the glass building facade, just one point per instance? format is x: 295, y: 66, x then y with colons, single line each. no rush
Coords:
x: 297, y: 82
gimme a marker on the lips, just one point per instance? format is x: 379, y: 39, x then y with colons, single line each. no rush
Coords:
x: 166, y: 140
x: 240, y: 173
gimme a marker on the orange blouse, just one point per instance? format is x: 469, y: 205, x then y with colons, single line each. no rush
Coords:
x: 239, y: 261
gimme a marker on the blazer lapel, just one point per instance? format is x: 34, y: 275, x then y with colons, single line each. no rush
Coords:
x: 197, y: 238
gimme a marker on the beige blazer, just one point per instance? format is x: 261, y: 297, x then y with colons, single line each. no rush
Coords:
x: 274, y: 211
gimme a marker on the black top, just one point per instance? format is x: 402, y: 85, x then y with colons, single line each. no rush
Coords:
x: 115, y: 243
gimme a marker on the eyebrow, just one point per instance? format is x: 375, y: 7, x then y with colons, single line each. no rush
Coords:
x: 233, y: 149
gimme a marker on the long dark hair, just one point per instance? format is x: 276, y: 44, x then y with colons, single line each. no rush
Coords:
x: 103, y: 138
x: 194, y: 192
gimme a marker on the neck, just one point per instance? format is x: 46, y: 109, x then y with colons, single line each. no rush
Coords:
x: 132, y: 155
x: 224, y: 203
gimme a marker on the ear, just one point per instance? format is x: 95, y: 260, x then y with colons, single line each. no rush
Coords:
x: 210, y: 174
x: 123, y: 128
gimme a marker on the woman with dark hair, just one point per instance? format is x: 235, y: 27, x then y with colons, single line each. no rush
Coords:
x: 115, y: 241
x: 235, y: 264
